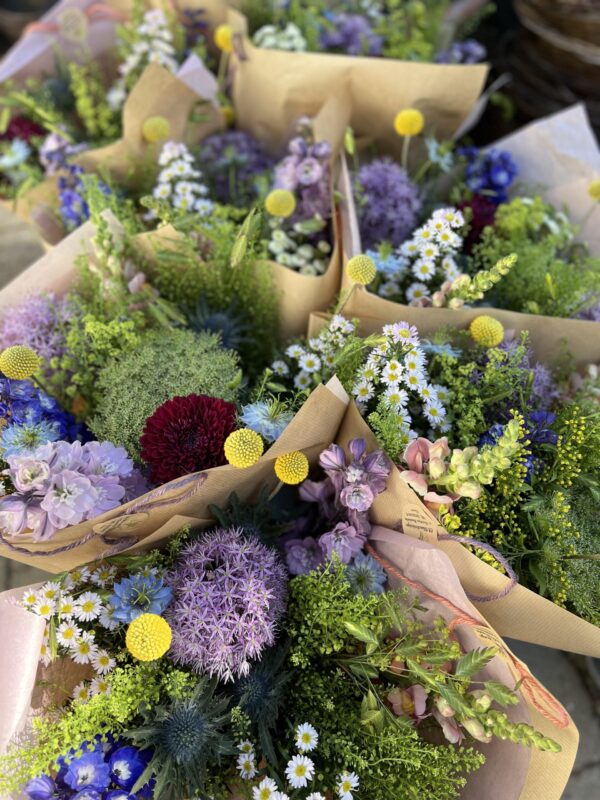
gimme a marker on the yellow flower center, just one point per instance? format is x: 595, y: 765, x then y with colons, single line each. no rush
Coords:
x: 148, y: 637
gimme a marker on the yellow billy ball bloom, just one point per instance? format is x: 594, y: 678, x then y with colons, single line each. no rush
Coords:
x: 594, y: 190
x: 486, y: 331
x: 243, y: 448
x: 224, y: 38
x: 292, y: 468
x: 280, y: 203
x: 228, y: 113
x: 156, y: 129
x: 361, y: 269
x: 19, y: 362
x: 409, y: 122
x: 148, y: 637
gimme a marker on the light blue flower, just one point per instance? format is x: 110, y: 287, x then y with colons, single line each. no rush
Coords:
x: 388, y: 265
x: 444, y: 349
x: 365, y: 576
x: 18, y: 152
x: 267, y: 419
x: 437, y: 156
x: 139, y: 594
x: 22, y: 440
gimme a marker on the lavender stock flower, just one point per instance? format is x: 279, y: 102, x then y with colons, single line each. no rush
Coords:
x: 344, y: 541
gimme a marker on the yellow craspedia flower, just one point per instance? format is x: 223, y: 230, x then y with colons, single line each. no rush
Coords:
x: 148, y: 637
x: 280, y: 203
x: 361, y: 269
x: 19, y: 362
x: 486, y: 331
x: 224, y: 38
x: 243, y: 448
x: 409, y: 122
x: 292, y: 468
x: 156, y: 129
x: 594, y: 190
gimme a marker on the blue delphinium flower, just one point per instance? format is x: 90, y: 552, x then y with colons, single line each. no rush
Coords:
x: 468, y: 52
x: 139, y: 594
x: 40, y: 788
x: 365, y: 575
x: 88, y: 771
x: 267, y: 419
x: 351, y: 34
x: 21, y: 440
x: 126, y: 765
x: 489, y: 173
x: 73, y: 207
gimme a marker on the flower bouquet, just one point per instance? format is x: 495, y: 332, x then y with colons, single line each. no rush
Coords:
x: 494, y: 438
x: 292, y: 649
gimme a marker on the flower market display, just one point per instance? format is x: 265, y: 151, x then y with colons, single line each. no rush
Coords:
x: 298, y: 411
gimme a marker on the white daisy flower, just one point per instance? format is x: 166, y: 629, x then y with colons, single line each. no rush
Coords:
x: 29, y: 598
x: 299, y: 771
x: 395, y: 398
x: 66, y: 606
x: 103, y: 575
x: 103, y: 662
x: 99, y: 686
x: 392, y: 372
x: 45, y: 653
x: 246, y: 766
x: 106, y: 619
x: 363, y: 391
x: 414, y: 380
x: 81, y: 692
x: 423, y: 269
x: 315, y: 796
x: 302, y: 380
x: 422, y: 235
x: 43, y: 607
x: 410, y: 248
x: 434, y: 412
x: 50, y: 591
x: 68, y: 633
x: 453, y: 217
x: 246, y: 747
x: 265, y: 790
x: 79, y: 575
x: 162, y: 191
x: 310, y: 362
x: 449, y: 239
x: 416, y: 291
x: 347, y: 783
x: 295, y: 351
x: 306, y: 738
x: 442, y: 392
x: 88, y: 606
x: 83, y: 650
x: 430, y: 251
x: 280, y: 368
x: 389, y: 289
x: 428, y: 393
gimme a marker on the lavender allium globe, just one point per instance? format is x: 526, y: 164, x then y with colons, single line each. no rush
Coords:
x: 233, y: 162
x: 388, y: 203
x: 38, y: 322
x: 229, y: 593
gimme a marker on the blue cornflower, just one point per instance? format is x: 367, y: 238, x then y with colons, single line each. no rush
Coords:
x: 267, y: 419
x: 126, y: 765
x: 365, y: 575
x: 139, y: 594
x: 88, y: 772
x: 21, y: 440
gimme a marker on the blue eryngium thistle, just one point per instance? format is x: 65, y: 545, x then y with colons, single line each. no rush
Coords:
x: 230, y: 323
x: 187, y: 737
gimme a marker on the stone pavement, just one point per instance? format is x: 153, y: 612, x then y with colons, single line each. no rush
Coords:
x: 565, y: 676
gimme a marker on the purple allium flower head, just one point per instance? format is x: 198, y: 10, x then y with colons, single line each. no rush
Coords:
x: 388, y: 203
x: 344, y: 540
x: 232, y: 162
x: 229, y: 594
x: 38, y: 322
x: 303, y: 555
x: 470, y: 51
x: 351, y: 34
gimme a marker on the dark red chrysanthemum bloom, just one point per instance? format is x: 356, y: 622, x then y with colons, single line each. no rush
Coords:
x: 186, y: 434
x: 484, y: 213
x: 22, y: 128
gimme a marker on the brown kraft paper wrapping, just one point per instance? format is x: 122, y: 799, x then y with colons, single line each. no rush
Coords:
x: 298, y: 83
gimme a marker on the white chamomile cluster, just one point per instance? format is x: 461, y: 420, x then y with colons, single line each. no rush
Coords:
x: 153, y: 45
x: 425, y: 262
x: 270, y: 37
x: 70, y: 616
x: 179, y: 183
x: 395, y: 371
x: 291, y: 249
x: 299, y: 772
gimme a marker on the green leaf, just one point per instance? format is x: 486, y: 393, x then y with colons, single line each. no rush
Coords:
x: 501, y: 693
x: 360, y: 632
x: 421, y: 673
x: 455, y: 700
x: 369, y: 702
x: 349, y: 141
x: 472, y: 662
x: 373, y: 718
x: 4, y: 119
x: 361, y: 670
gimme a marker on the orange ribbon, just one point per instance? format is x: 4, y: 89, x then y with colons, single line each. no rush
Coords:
x: 97, y: 11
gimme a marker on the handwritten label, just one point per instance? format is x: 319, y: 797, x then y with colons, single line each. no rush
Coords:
x: 418, y: 523
x: 73, y: 25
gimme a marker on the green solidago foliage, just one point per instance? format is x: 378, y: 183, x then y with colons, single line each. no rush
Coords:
x: 166, y: 364
x: 552, y: 275
x: 390, y: 435
x: 412, y: 30
x: 188, y: 737
x: 99, y: 121
x: 132, y: 688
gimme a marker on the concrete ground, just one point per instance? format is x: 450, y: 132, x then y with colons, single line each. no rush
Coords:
x: 565, y: 676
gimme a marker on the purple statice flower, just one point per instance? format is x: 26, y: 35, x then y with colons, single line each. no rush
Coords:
x: 139, y: 594
x: 489, y: 173
x: 38, y: 322
x: 351, y: 34
x: 306, y: 173
x: 388, y: 203
x: 468, y: 52
x: 344, y: 541
x: 65, y: 483
x: 229, y: 593
x: 233, y: 163
x: 303, y: 555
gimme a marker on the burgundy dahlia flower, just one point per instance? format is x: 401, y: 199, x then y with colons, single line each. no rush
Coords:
x: 186, y: 434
